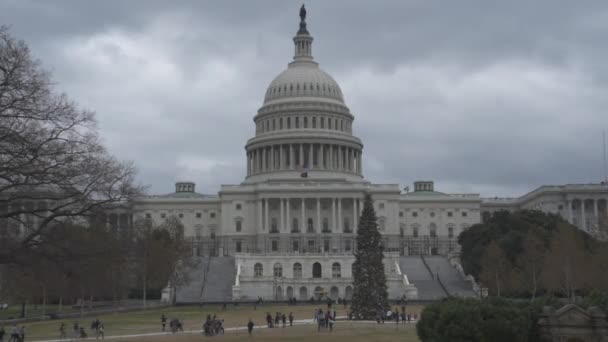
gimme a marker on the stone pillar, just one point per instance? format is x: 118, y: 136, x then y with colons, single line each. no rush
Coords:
x: 272, y: 158
x: 310, y: 163
x: 291, y: 159
x: 318, y: 215
x: 301, y: 156
x: 333, y: 214
x: 352, y: 226
x: 584, y: 223
x: 302, y: 224
x: 248, y: 164
x: 330, y: 160
x: 282, y: 218
x: 288, y: 219
x: 281, y: 157
x: 264, y: 159
x: 340, y: 225
x: 260, y: 221
x: 266, y: 218
x: 570, y: 218
x: 360, y: 162
x: 321, y: 157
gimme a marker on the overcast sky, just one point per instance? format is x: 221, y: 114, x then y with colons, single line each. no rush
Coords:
x: 489, y: 97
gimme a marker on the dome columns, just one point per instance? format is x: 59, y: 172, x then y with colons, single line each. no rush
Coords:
x: 304, y: 156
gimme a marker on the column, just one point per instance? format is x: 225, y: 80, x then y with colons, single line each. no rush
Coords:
x: 310, y: 155
x: 266, y: 218
x: 360, y: 162
x: 584, y: 225
x: 569, y: 211
x: 282, y: 218
x: 260, y: 222
x: 319, y: 215
x: 248, y: 165
x: 330, y: 163
x: 281, y: 166
x: 302, y: 225
x: 301, y: 156
x: 595, y: 211
x: 271, y: 158
x: 291, y: 156
x: 264, y: 159
x: 354, y: 214
x: 287, y: 214
x: 340, y: 225
x: 333, y: 214
x: 321, y: 157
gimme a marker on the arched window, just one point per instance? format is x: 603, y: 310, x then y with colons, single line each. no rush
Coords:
x: 297, y: 270
x: 326, y: 225
x: 278, y: 270
x: 450, y: 232
x: 294, y: 226
x: 238, y: 225
x: 273, y: 225
x: 258, y: 270
x: 415, y: 231
x: 346, y: 225
x: 317, y: 270
x: 310, y: 226
x: 336, y: 270
x: 433, y: 230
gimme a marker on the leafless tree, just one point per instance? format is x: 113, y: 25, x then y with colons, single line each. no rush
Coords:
x: 53, y: 167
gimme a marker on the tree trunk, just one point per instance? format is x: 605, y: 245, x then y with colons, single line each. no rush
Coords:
x: 60, y: 304
x: 23, y: 309
x: 144, y: 291
x: 43, y: 301
x: 497, y: 285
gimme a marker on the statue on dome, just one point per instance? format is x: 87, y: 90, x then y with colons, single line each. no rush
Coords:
x: 302, y: 13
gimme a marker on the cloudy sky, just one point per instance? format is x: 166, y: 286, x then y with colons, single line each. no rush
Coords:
x: 491, y: 97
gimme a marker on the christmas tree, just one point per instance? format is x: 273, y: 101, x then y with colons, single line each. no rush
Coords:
x: 369, y: 293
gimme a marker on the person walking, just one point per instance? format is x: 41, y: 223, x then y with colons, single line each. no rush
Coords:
x: 250, y: 326
x: 2, y: 333
x: 62, y: 334
x: 14, y: 334
x: 284, y: 319
x: 163, y: 321
x: 22, y: 334
x: 100, y: 331
x: 291, y: 319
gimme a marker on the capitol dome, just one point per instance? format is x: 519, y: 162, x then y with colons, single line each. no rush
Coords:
x: 303, y: 79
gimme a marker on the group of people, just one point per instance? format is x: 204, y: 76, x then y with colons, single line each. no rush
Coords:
x: 325, y: 320
x: 79, y: 331
x: 213, y: 326
x: 278, y: 318
x: 396, y: 316
x: 17, y: 334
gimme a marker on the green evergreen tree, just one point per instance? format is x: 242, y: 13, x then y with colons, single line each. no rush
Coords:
x: 369, y: 293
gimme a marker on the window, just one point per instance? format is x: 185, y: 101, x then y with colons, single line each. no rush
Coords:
x: 310, y: 226
x: 314, y: 122
x: 281, y: 123
x: 464, y: 214
x: 295, y: 246
x: 273, y: 225
x: 163, y: 215
x: 238, y: 206
x: 297, y: 122
x: 381, y: 224
x: 336, y: 271
x: 449, y: 214
x: 347, y: 245
x: 258, y: 270
x: 212, y: 215
x: 415, y: 232
x: 316, y: 270
x: 450, y: 232
x: 433, y: 232
x: 238, y: 246
x: 148, y: 215
x: 274, y: 245
x: 326, y: 225
x: 346, y: 225
x: 274, y: 124
x: 294, y: 226
x: 326, y: 244
x: 180, y: 215
x: 288, y: 123
x: 199, y: 215
x: 381, y: 206
x: 311, y: 246
x: 297, y: 270
x: 239, y: 226
x: 322, y: 122
x: 415, y: 214
x: 432, y: 214
x: 401, y: 214
x: 305, y: 122
x: 278, y: 270
x: 560, y: 207
x: 328, y: 123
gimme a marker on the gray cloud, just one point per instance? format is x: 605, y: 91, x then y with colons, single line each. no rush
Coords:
x: 489, y: 97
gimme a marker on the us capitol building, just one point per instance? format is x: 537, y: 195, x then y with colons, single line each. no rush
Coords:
x: 288, y: 230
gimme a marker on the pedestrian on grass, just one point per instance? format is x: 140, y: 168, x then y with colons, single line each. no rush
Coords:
x: 100, y: 331
x: 250, y: 326
x: 62, y: 334
x: 2, y: 333
x: 163, y: 321
x: 291, y: 319
x: 284, y: 319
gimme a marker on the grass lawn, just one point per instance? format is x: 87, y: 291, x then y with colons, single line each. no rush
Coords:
x: 343, y: 332
x: 14, y: 311
x: 192, y: 316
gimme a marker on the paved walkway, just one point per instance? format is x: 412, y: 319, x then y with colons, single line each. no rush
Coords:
x: 243, y: 328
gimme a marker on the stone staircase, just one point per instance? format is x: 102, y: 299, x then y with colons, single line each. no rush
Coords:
x: 450, y: 277
x: 418, y: 274
x: 218, y: 286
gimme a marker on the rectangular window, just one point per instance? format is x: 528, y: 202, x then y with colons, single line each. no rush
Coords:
x: 238, y: 206
x: 281, y: 123
x: 415, y: 214
x: 326, y: 245
x: 297, y: 122
x: 311, y: 246
x: 288, y: 123
x: 199, y: 215
x: 274, y: 245
x: 274, y: 122
x: 239, y: 226
x: 148, y: 215
x: 305, y: 122
x: 401, y: 214
x: 322, y: 122
x: 295, y: 246
x: 415, y: 232
x: 163, y: 215
x: 212, y: 215
x: 464, y: 214
x: 449, y: 214
x: 238, y: 247
x: 347, y: 246
x: 314, y: 122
